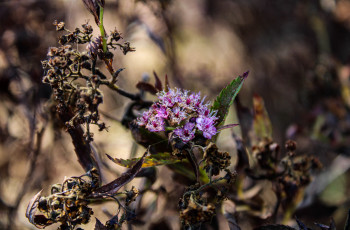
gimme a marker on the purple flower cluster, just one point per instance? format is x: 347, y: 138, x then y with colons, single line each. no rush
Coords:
x: 185, y: 113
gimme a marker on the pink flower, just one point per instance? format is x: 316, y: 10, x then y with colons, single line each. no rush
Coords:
x: 162, y: 112
x: 206, y: 125
x: 155, y: 124
x: 143, y: 120
x: 176, y: 107
x: 204, y: 111
x: 195, y: 99
x: 186, y: 133
x: 177, y: 115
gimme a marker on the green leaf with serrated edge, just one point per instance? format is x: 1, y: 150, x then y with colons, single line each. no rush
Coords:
x: 152, y: 160
x: 226, y: 97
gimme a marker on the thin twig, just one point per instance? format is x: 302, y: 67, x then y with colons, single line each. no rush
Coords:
x: 134, y: 97
x: 203, y: 187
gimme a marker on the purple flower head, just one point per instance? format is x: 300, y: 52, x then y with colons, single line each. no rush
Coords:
x: 186, y: 133
x: 186, y: 113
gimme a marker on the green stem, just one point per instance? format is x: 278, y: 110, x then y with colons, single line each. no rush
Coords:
x: 102, y: 30
x: 169, y: 128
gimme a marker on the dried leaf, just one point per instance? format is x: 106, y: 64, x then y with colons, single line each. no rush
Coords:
x: 152, y: 160
x: 262, y: 124
x: 40, y: 221
x: 245, y: 118
x: 167, y: 86
x: 226, y: 97
x: 100, y: 2
x: 82, y: 148
x: 146, y: 87
x: 242, y: 154
x: 99, y: 225
x: 31, y: 208
x: 94, y: 9
x: 112, y: 188
x: 113, y: 220
x: 158, y: 83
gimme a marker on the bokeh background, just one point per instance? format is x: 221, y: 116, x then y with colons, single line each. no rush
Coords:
x: 297, y: 52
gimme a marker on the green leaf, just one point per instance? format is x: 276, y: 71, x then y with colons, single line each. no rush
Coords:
x: 152, y: 160
x: 177, y: 165
x: 226, y: 97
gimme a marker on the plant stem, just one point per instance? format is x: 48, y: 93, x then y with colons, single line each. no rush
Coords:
x: 102, y: 30
x: 114, y: 87
x: 203, y: 187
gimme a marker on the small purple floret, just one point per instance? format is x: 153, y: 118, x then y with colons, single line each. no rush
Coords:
x: 186, y: 133
x: 206, y: 125
x: 143, y: 120
x: 155, y: 124
x: 162, y: 112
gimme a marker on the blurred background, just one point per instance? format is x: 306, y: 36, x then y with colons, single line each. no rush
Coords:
x: 297, y: 52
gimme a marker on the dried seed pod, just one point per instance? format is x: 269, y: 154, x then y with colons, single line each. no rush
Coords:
x: 59, y: 25
x: 131, y: 195
x: 87, y: 28
x: 115, y: 35
x: 291, y: 145
x: 215, y: 160
x: 194, y: 211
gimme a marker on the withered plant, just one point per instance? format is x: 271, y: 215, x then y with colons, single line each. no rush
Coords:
x: 179, y: 131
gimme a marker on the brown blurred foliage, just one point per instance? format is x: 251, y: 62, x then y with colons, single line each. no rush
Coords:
x: 297, y: 53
